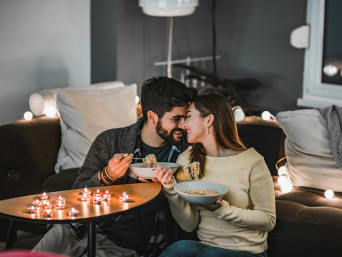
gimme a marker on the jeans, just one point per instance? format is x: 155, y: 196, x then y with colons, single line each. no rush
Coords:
x: 190, y: 248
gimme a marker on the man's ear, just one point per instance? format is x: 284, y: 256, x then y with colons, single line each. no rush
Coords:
x: 152, y: 117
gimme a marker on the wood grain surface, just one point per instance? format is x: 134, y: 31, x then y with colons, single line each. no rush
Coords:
x: 139, y: 193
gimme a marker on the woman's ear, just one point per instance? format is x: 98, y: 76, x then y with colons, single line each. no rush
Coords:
x: 210, y: 120
x: 152, y: 117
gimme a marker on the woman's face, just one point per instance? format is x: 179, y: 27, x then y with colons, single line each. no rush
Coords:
x: 195, y: 125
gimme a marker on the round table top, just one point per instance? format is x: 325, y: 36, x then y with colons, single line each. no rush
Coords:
x: 139, y: 194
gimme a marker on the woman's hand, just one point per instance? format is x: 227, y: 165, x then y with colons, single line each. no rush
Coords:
x: 118, y: 165
x: 213, y: 207
x: 164, y: 175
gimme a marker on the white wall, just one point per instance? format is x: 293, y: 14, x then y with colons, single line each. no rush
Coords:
x: 43, y: 44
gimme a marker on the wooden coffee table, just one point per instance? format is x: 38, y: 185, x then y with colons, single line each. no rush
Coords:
x: 16, y: 209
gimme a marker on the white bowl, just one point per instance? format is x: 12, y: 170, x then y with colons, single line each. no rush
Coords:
x: 200, y: 199
x: 149, y: 173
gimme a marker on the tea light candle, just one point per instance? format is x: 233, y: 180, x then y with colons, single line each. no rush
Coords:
x: 124, y: 197
x: 46, y: 204
x: 97, y: 193
x: 60, y: 203
x: 86, y: 191
x: 73, y: 212
x: 47, y: 213
x: 32, y: 209
x: 107, y: 195
x: 37, y: 203
x: 98, y: 199
x: 43, y: 196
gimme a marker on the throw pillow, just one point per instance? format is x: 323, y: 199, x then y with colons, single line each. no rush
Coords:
x: 310, y: 161
x: 85, y: 114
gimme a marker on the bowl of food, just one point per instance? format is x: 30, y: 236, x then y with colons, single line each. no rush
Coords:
x: 146, y: 169
x: 200, y: 192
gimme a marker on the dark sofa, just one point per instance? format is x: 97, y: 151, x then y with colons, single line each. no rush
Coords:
x: 307, y: 223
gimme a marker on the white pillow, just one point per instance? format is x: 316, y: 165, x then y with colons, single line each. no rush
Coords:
x: 41, y: 100
x: 310, y: 160
x: 87, y: 113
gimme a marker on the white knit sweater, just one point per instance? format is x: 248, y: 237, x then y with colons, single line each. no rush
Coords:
x: 248, y: 212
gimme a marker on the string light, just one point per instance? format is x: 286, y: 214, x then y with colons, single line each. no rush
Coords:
x: 266, y: 115
x: 282, y: 171
x: 28, y: 115
x: 50, y: 111
x: 330, y: 70
x: 329, y: 194
x: 239, y: 114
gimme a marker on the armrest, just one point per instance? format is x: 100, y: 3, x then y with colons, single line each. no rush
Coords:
x: 28, y: 153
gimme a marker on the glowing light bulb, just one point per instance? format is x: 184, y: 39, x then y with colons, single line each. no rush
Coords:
x: 266, y: 115
x: 50, y: 111
x: 239, y: 114
x: 282, y: 180
x: 137, y: 99
x: 330, y: 70
x: 286, y: 187
x: 329, y: 194
x: 282, y: 171
x: 28, y: 115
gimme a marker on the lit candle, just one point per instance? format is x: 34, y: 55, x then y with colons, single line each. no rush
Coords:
x: 107, y: 195
x: 98, y: 199
x: 86, y: 191
x: 98, y: 193
x: 44, y: 196
x: 32, y: 209
x: 124, y: 197
x: 46, y: 204
x: 37, y: 203
x: 47, y: 213
x: 60, y: 203
x: 73, y: 212
x: 85, y: 197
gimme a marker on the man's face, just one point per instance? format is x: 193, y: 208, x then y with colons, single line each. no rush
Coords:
x: 171, y: 126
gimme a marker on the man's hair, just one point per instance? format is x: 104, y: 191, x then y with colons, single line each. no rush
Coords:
x: 161, y: 94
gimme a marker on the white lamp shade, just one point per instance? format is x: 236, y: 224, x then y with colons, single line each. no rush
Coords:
x: 168, y: 8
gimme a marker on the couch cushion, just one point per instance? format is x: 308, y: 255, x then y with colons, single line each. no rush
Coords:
x: 310, y: 161
x: 61, y: 181
x: 85, y: 113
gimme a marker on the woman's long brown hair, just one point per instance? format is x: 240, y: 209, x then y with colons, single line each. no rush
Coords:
x: 224, y: 126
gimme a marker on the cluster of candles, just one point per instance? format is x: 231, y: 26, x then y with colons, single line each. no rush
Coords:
x: 286, y: 185
x: 59, y: 204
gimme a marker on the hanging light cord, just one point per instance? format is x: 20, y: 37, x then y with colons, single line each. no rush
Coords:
x: 212, y: 8
x: 169, y: 51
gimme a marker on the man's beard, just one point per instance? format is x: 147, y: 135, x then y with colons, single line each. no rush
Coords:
x: 168, y: 137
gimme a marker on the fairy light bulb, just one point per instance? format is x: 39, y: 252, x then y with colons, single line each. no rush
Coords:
x: 282, y: 180
x: 329, y: 194
x: 137, y: 99
x: 239, y: 114
x: 28, y: 115
x: 282, y: 170
x: 286, y: 187
x: 330, y: 70
x: 266, y: 115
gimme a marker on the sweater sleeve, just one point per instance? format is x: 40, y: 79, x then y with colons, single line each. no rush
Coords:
x: 96, y: 159
x: 262, y: 215
x: 186, y: 214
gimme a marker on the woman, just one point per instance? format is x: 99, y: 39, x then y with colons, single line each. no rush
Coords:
x: 238, y: 224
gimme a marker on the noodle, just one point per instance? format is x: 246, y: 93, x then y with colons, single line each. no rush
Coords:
x: 200, y: 192
x: 150, y: 161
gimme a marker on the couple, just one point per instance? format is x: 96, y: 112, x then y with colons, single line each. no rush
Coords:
x: 236, y: 225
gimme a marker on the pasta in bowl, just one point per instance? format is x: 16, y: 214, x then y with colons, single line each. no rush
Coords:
x: 141, y: 171
x: 200, y: 192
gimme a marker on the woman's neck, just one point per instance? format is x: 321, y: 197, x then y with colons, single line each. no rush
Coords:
x: 213, y: 149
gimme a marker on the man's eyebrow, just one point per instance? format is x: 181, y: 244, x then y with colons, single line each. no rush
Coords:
x: 178, y: 116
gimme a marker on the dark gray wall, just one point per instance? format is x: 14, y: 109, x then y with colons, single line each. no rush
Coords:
x: 43, y: 44
x: 253, y: 38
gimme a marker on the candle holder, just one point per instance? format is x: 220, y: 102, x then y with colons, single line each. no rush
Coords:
x: 73, y: 212
x: 98, y: 199
x: 85, y: 197
x: 107, y: 195
x: 44, y: 196
x: 124, y: 197
x: 60, y: 203
x: 47, y: 213
x: 85, y: 191
x: 37, y: 203
x: 97, y: 193
x: 32, y: 209
x: 46, y: 204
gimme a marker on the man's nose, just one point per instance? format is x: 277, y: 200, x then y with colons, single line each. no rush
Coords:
x: 181, y: 124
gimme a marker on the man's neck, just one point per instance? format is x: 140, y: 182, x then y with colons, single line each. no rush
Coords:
x: 150, y: 137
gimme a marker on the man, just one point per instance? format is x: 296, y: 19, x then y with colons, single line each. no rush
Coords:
x: 160, y: 132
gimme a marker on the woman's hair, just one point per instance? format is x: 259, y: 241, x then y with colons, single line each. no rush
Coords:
x: 224, y: 126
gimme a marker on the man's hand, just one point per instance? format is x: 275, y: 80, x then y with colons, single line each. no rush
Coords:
x: 164, y: 175
x: 118, y: 165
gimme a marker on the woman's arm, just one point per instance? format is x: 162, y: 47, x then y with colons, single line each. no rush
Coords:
x: 262, y: 215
